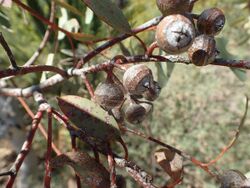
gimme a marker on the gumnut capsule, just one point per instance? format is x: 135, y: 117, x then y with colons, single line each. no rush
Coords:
x: 168, y: 7
x: 203, y: 50
x: 211, y: 21
x: 232, y: 179
x: 109, y: 95
x: 135, y: 113
x: 153, y: 92
x: 137, y: 79
x: 175, y: 34
x: 148, y: 107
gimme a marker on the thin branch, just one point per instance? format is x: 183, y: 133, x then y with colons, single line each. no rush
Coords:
x: 182, y: 153
x: 31, y: 69
x: 44, y: 20
x: 88, y: 85
x: 151, y: 23
x: 232, y: 142
x: 138, y: 174
x: 9, y: 52
x: 47, y: 177
x: 24, y: 150
x: 56, y: 79
x: 45, y: 39
x: 8, y: 173
x: 40, y: 126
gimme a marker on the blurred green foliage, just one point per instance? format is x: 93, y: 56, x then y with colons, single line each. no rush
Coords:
x: 198, y: 109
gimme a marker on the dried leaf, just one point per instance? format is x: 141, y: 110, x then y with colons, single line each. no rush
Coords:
x: 110, y: 13
x: 171, y: 162
x: 91, y: 173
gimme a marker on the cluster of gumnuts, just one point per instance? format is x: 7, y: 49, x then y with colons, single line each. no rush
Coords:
x: 131, y: 98
x: 179, y: 31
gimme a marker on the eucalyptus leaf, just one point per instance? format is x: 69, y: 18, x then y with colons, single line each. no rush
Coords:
x: 89, y: 15
x: 110, y: 13
x: 89, y: 117
x: 224, y: 53
x: 4, y: 20
x: 164, y: 72
x: 90, y: 172
x: 67, y: 6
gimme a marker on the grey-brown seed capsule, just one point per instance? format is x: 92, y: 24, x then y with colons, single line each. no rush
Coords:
x: 148, y: 107
x: 203, y: 50
x: 168, y: 7
x: 232, y: 179
x: 137, y: 79
x: 175, y: 34
x: 211, y: 21
x: 109, y: 95
x: 135, y: 113
x: 153, y: 92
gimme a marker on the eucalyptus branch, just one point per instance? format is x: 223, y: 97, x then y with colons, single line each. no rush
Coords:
x: 56, y: 79
x: 138, y: 174
x: 31, y: 69
x: 45, y: 39
x: 24, y: 150
x: 151, y: 23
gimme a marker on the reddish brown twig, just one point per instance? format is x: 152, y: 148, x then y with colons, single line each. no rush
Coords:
x: 31, y: 69
x: 151, y: 48
x: 183, y: 154
x: 25, y: 149
x: 118, y: 39
x: 88, y: 85
x: 45, y: 39
x: 232, y: 142
x: 112, y: 172
x: 40, y: 126
x: 47, y: 177
x: 27, y: 92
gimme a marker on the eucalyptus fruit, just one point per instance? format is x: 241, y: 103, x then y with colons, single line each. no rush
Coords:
x: 135, y: 113
x: 175, y: 34
x: 168, y: 7
x: 109, y: 95
x: 232, y: 179
x: 203, y: 50
x: 137, y: 79
x: 211, y: 21
x: 153, y: 92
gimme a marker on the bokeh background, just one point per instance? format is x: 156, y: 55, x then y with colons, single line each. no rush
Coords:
x: 198, y: 110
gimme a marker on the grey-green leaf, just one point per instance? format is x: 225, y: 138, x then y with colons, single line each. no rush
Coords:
x: 109, y: 13
x: 221, y: 45
x: 90, y: 172
x: 164, y: 72
x: 89, y: 117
